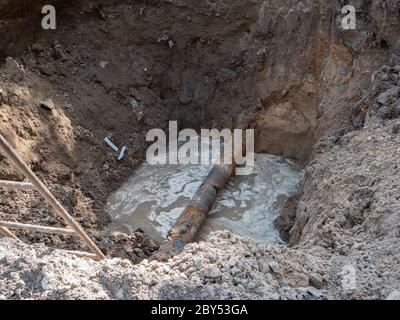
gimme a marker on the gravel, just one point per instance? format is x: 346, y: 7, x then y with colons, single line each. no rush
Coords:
x: 226, y: 266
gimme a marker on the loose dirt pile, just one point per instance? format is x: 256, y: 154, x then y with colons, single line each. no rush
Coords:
x: 224, y: 267
x: 349, y: 206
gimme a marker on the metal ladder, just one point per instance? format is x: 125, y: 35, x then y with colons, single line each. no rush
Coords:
x: 74, y: 228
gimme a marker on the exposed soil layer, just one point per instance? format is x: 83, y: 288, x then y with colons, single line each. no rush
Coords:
x: 313, y: 93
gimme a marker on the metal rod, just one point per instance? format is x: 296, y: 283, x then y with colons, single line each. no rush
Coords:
x: 43, y: 229
x: 82, y: 254
x: 7, y: 233
x: 15, y: 185
x: 48, y: 196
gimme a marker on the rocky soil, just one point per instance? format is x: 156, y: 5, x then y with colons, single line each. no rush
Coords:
x: 313, y: 92
x: 224, y: 267
x: 346, y: 244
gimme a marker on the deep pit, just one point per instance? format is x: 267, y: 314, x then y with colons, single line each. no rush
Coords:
x: 316, y: 95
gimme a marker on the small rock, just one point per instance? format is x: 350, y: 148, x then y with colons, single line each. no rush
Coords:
x: 163, y: 38
x: 197, y: 264
x: 268, y: 291
x: 274, y: 267
x: 316, y: 281
x: 59, y: 54
x: 394, y: 295
x: 14, y: 69
x: 37, y: 47
x: 365, y: 81
x: 360, y: 40
x: 103, y: 64
x: 264, y: 267
x: 388, y: 94
x: 311, y: 293
x: 45, y: 70
x: 100, y: 13
x: 396, y: 129
x: 213, y: 273
x: 138, y: 109
x: 342, y: 249
x: 120, y: 294
x: 45, y: 106
x: 45, y: 283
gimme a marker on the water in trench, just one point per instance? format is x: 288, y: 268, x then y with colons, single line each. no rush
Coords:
x: 154, y: 197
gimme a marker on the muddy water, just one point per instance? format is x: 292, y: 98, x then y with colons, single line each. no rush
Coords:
x: 155, y: 196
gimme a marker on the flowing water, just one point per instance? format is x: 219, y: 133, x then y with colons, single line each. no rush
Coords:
x: 154, y: 197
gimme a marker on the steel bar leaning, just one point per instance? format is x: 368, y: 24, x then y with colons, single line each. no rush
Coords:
x: 15, y: 185
x: 48, y: 196
x: 7, y: 233
x: 31, y: 227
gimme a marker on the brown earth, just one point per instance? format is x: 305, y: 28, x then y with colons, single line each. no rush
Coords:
x: 284, y: 68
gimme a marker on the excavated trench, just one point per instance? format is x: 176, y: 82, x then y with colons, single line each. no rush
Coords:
x: 235, y: 67
x: 156, y: 82
x: 121, y: 68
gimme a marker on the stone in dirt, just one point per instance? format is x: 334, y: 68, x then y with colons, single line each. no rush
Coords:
x: 274, y: 267
x: 394, y: 295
